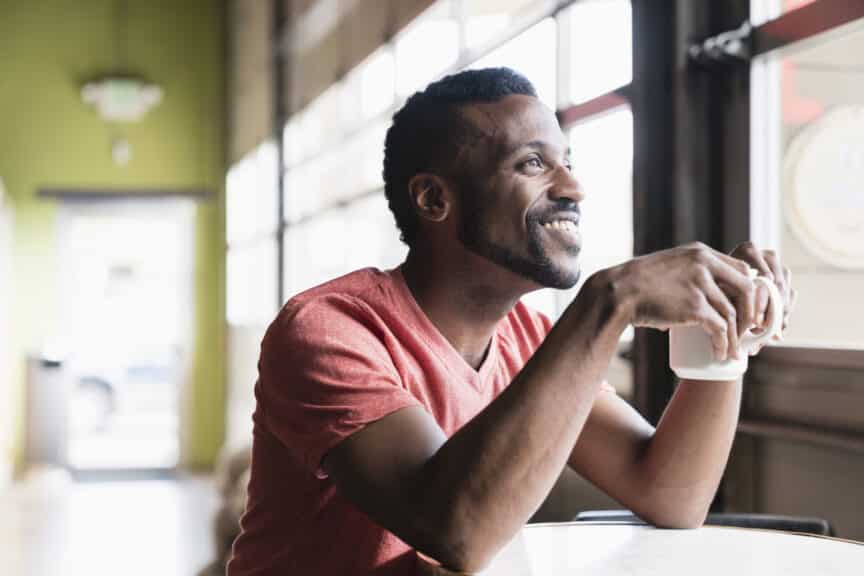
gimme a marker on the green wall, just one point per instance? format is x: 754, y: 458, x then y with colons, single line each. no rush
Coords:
x: 49, y: 138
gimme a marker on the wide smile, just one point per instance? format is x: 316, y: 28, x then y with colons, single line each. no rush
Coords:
x: 564, y: 231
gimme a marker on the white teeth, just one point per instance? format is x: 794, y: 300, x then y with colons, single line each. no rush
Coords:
x: 565, y: 225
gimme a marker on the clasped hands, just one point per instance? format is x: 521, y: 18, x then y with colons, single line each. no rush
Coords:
x: 697, y: 285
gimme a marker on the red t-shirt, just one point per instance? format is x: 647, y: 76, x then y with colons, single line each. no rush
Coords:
x: 337, y: 358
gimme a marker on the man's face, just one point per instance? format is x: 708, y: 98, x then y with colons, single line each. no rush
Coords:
x: 519, y: 202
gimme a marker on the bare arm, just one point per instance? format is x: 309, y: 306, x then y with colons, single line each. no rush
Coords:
x: 460, y: 500
x: 669, y: 476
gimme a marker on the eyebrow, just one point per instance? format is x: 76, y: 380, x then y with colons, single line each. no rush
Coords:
x: 534, y: 145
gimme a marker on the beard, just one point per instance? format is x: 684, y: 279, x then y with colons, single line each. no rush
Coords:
x: 536, y: 265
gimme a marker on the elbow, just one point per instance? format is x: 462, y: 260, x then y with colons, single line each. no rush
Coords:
x: 461, y: 557
x: 460, y: 551
x: 458, y: 544
x: 680, y: 522
x: 677, y: 519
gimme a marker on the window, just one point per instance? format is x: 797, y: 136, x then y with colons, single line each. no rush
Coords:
x: 485, y: 21
x: 533, y: 53
x: 426, y: 49
x: 251, y: 224
x: 369, y: 89
x: 250, y: 196
x: 252, y: 283
x: 597, y: 39
x: 362, y: 233
x: 807, y: 174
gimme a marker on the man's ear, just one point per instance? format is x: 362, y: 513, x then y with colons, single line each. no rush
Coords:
x: 431, y: 197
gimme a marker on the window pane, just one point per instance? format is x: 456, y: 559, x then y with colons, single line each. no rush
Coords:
x: 533, y: 53
x: 426, y: 49
x: 321, y: 182
x: 344, y: 239
x: 597, y: 40
x: 320, y: 124
x: 251, y: 199
x: 323, y: 121
x: 367, y: 158
x: 486, y: 20
x: 292, y: 140
x: 319, y: 235
x: 374, y: 238
x: 302, y: 189
x: 807, y: 180
x: 251, y: 283
x: 369, y: 89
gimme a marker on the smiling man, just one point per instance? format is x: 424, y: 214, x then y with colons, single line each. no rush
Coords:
x: 427, y: 409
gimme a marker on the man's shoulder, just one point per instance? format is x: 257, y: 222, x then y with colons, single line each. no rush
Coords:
x: 347, y: 296
x: 358, y: 284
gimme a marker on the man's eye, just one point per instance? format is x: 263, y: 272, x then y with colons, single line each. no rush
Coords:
x: 533, y: 162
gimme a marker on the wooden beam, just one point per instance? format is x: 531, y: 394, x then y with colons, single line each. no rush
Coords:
x: 805, y: 22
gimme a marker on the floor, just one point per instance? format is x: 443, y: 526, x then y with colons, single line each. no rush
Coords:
x: 51, y: 525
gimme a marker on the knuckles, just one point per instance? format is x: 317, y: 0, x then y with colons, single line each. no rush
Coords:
x: 699, y: 252
x: 702, y: 276
x: 694, y: 302
x: 742, y: 266
x: 746, y: 248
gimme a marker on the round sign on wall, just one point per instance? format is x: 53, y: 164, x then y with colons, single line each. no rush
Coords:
x: 824, y: 187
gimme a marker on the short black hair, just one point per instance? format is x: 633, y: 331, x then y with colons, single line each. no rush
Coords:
x: 424, y: 134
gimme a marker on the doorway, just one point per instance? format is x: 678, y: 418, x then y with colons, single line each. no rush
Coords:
x: 125, y: 323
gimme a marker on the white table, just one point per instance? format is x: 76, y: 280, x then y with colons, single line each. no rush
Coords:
x: 596, y: 548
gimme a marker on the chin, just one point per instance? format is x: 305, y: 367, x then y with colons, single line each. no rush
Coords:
x: 547, y: 274
x: 536, y: 266
x: 561, y: 279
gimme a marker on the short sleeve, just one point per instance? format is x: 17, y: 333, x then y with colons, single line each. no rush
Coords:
x: 325, y: 374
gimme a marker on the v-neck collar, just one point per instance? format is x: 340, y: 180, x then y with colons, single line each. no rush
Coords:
x: 442, y: 347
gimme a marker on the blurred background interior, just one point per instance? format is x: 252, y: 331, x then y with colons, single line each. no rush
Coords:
x: 172, y: 172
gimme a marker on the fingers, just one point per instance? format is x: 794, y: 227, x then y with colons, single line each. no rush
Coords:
x: 724, y: 308
x: 753, y: 257
x: 779, y: 274
x: 763, y: 297
x: 717, y: 327
x: 733, y: 275
x: 726, y: 285
x: 768, y: 264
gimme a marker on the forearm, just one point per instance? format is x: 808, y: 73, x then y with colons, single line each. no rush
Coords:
x: 489, y: 478
x: 687, y: 454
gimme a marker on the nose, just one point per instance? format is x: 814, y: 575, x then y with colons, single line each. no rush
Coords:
x: 566, y: 187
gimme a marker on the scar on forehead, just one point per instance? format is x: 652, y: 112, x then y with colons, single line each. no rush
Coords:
x: 474, y: 127
x: 478, y: 123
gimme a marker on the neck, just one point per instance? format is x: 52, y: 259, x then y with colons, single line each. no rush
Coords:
x: 460, y: 299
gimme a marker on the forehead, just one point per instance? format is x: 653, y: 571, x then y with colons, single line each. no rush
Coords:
x: 513, y: 121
